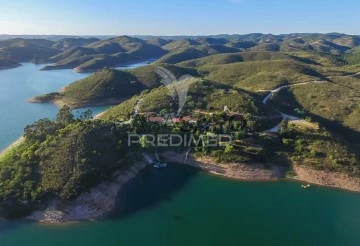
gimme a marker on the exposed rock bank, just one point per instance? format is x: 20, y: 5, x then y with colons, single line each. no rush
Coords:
x: 326, y: 178
x: 241, y: 171
x: 96, y: 203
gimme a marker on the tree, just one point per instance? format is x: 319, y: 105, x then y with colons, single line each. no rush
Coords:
x: 65, y: 115
x: 229, y: 149
x: 86, y: 115
x: 40, y: 129
x: 144, y: 142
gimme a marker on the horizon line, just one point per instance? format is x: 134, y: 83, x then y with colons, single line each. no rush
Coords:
x: 179, y: 35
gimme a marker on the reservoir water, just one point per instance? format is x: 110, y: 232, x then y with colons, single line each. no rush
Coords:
x: 178, y: 205
x: 21, y: 83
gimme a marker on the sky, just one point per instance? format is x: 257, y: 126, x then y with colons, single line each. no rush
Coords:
x: 177, y: 17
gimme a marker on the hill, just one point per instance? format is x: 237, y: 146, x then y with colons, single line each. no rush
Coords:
x: 68, y: 43
x: 246, y: 56
x: 73, y: 52
x: 158, y: 41
x: 188, y: 51
x: 26, y: 50
x: 348, y: 41
x: 59, y: 159
x: 274, y: 47
x: 335, y: 104
x: 353, y: 57
x: 110, y: 86
x: 105, y: 53
x: 6, y: 63
x: 203, y: 96
x: 260, y: 75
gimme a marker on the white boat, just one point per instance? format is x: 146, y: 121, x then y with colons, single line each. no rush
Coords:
x: 160, y: 165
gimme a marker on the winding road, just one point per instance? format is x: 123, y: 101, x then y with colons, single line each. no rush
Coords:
x: 290, y: 117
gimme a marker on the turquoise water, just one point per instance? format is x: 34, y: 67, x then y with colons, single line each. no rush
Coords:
x: 179, y: 206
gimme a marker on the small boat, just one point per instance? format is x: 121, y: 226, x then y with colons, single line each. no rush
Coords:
x: 160, y: 165
x: 306, y: 186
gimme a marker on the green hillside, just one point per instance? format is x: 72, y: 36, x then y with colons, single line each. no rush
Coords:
x: 68, y: 43
x: 25, y: 50
x: 109, y: 86
x: 58, y: 159
x: 274, y: 47
x: 193, y: 52
x: 260, y: 75
x: 204, y: 96
x: 335, y: 104
x: 106, y: 53
x: 246, y: 56
x: 318, y: 149
x: 353, y: 57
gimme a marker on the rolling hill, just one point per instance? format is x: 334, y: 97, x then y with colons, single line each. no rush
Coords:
x: 105, y: 53
x: 26, y: 50
x: 110, y: 86
x: 203, y: 95
x: 334, y: 104
x: 68, y: 43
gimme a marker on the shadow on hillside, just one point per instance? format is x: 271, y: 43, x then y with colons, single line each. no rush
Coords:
x: 151, y: 187
x: 286, y: 102
x: 345, y: 86
x: 305, y: 60
x: 345, y: 132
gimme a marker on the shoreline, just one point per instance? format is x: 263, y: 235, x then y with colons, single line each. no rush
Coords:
x: 94, y: 204
x: 258, y: 172
x: 60, y: 102
x: 237, y: 171
x: 77, y: 105
x: 101, y: 199
x: 335, y: 180
x: 12, y: 145
x: 99, y: 115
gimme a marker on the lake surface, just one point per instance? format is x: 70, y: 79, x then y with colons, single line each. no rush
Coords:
x: 21, y: 83
x: 177, y: 205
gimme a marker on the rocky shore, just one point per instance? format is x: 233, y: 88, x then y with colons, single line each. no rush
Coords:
x: 101, y: 199
x: 13, y: 145
x: 94, y: 204
x: 60, y: 100
x: 240, y: 171
x: 258, y: 172
x: 325, y: 178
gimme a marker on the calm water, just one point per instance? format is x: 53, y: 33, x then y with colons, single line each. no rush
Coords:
x: 19, y: 84
x: 179, y: 206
